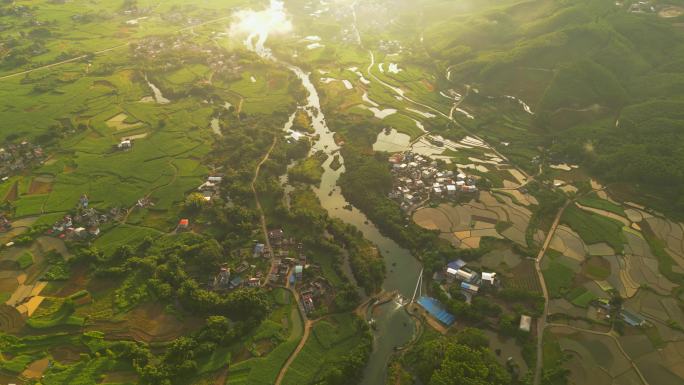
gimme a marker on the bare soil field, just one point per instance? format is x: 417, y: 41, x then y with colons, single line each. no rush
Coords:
x: 118, y: 122
x: 36, y: 369
x: 523, y: 276
x: 41, y: 185
x: 67, y: 354
x: 563, y: 306
x: 11, y: 320
x: 466, y: 224
x: 508, y: 348
x: 656, y: 307
x: 671, y: 12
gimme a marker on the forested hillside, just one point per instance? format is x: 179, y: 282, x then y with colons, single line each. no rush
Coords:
x: 604, y: 79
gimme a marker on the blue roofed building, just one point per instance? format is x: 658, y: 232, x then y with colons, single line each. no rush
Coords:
x: 456, y: 265
x: 470, y: 287
x: 259, y: 250
x: 235, y: 282
x: 632, y: 319
x: 436, y: 309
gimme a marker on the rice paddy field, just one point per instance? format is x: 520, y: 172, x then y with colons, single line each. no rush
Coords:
x: 466, y: 224
x: 603, y: 246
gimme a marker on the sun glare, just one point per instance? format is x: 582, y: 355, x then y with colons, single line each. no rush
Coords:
x: 256, y: 26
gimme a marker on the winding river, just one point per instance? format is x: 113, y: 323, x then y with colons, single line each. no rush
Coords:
x: 394, y: 327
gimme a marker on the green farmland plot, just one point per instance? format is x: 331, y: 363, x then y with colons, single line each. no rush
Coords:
x: 330, y: 341
x: 123, y: 235
x: 264, y: 370
x: 594, y: 228
x: 558, y: 278
x: 592, y: 200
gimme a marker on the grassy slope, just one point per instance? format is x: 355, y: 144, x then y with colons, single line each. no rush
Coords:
x: 582, y: 66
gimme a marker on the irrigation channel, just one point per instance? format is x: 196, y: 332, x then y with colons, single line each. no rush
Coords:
x: 393, y: 325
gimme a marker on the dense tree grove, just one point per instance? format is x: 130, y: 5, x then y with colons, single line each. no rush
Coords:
x: 605, y: 85
x: 165, y: 267
x: 464, y: 359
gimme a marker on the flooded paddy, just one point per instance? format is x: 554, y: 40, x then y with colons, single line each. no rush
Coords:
x: 672, y: 234
x: 118, y: 122
x: 569, y: 243
x: 380, y: 113
x: 392, y: 141
x: 427, y: 115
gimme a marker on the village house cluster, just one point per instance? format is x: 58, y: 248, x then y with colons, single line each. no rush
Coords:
x: 469, y: 281
x: 230, y: 279
x: 156, y: 48
x: 288, y: 255
x: 604, y: 309
x: 289, y: 266
x: 210, y: 188
x: 418, y: 179
x: 246, y: 275
x: 642, y: 7
x: 85, y: 223
x: 16, y: 157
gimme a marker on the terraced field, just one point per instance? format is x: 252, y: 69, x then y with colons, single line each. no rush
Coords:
x: 466, y: 224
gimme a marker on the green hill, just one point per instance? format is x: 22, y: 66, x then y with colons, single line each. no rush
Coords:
x: 606, y: 83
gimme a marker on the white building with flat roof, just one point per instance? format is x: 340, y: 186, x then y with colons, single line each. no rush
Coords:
x: 525, y: 323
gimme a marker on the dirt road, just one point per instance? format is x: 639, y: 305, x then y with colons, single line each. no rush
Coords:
x: 541, y: 323
x: 262, y: 216
x: 307, y: 331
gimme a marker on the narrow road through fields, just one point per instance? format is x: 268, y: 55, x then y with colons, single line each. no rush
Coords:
x: 262, y: 216
x: 541, y: 323
x: 308, y: 324
x: 63, y: 61
x: 222, y: 377
x: 305, y: 337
